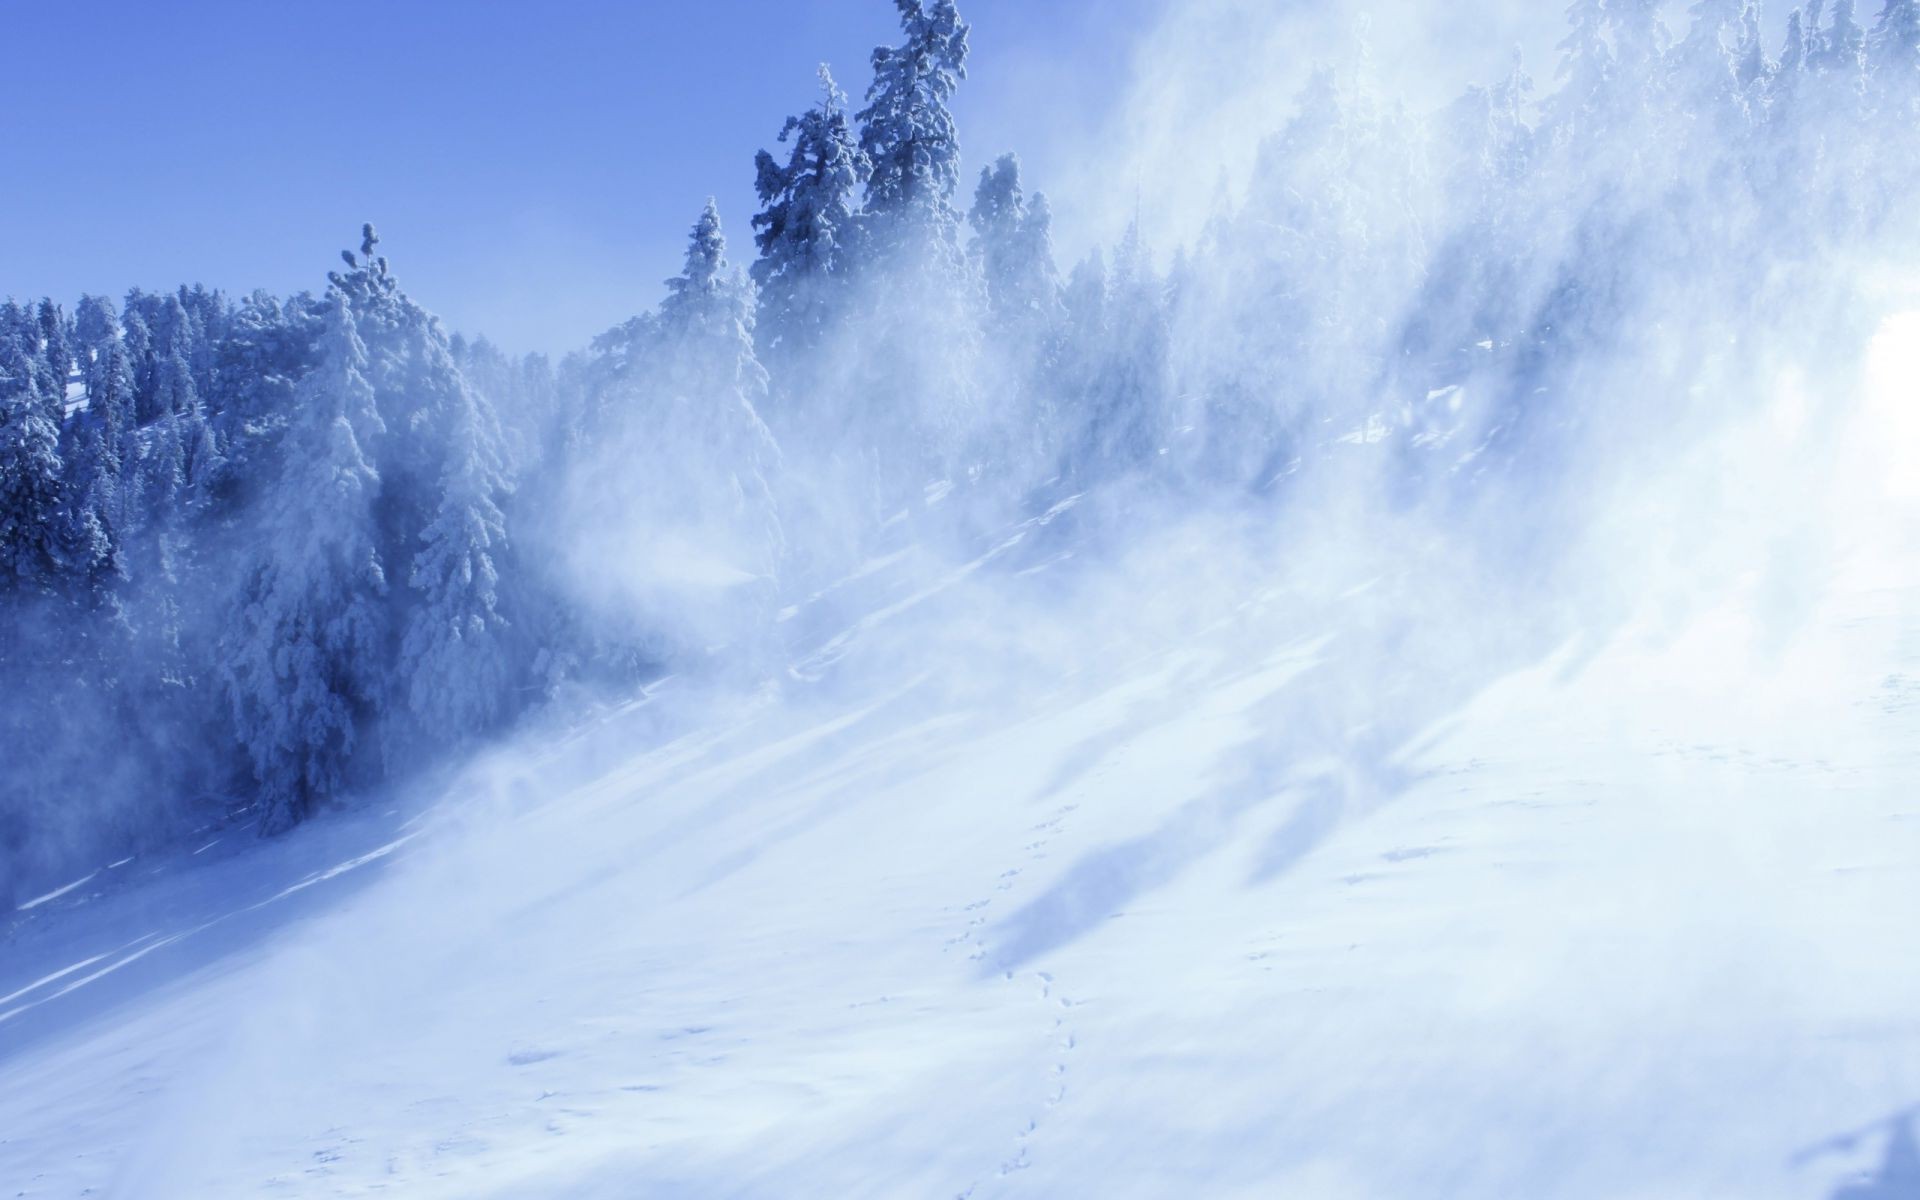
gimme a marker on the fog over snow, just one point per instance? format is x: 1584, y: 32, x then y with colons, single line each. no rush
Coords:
x: 1372, y: 650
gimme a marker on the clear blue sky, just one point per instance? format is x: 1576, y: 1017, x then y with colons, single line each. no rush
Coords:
x: 532, y: 167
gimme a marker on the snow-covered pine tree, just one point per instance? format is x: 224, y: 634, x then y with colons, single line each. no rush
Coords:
x: 137, y: 336
x: 1488, y: 153
x: 454, y: 667
x: 1843, y: 44
x: 1012, y: 251
x: 806, y: 232
x: 1895, y: 52
x: 1638, y: 34
x: 1132, y: 390
x: 267, y: 348
x: 1795, y: 49
x: 710, y: 387
x: 674, y: 532
x: 1077, y: 363
x: 1752, y: 70
x: 442, y: 476
x: 1706, y: 64
x: 1013, y: 242
x: 1584, y: 72
x: 908, y: 133
x: 1085, y: 300
x: 56, y: 347
x: 303, y: 661
x: 35, y: 554
x: 106, y: 374
x: 419, y: 392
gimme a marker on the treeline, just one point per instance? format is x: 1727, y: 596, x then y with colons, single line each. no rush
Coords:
x: 257, y: 554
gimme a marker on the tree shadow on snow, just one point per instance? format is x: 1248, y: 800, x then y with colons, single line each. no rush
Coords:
x: 1336, y: 740
x: 89, y: 957
x: 1897, y: 1177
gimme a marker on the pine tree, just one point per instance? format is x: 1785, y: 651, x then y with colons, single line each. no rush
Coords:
x: 1895, y: 48
x: 1639, y: 36
x: 106, y: 377
x: 1585, y: 69
x: 1706, y: 59
x: 908, y: 133
x: 695, y: 294
x: 1036, y: 277
x: 1843, y: 46
x: 137, y: 336
x: 711, y: 385
x: 303, y: 658
x: 674, y: 500
x: 93, y: 505
x: 1751, y: 69
x: 35, y: 555
x: 806, y: 233
x: 1794, y: 50
x: 455, y: 669
x: 1013, y: 253
x: 1085, y: 300
x: 1133, y: 383
x: 267, y: 348
x: 1014, y: 245
x: 56, y: 348
x: 426, y: 407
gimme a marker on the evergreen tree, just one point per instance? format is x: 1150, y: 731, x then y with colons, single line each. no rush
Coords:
x: 137, y: 336
x: 1706, y: 59
x: 454, y: 666
x: 1085, y: 300
x: 173, y: 351
x: 1133, y: 385
x: 1751, y: 69
x: 1013, y: 254
x: 1895, y: 48
x: 1639, y: 36
x: 1585, y: 69
x: 56, y: 348
x: 1794, y: 50
x: 673, y: 500
x: 35, y: 555
x: 1843, y: 46
x: 1014, y: 246
x: 267, y: 348
x: 93, y: 505
x: 107, y: 378
x: 807, y: 231
x: 303, y: 660
x: 1082, y: 353
x: 908, y: 133
x: 427, y: 409
x: 710, y: 385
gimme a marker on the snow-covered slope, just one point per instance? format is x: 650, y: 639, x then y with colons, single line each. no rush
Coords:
x: 1631, y: 917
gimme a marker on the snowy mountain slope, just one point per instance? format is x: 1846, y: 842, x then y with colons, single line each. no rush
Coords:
x: 1205, y: 916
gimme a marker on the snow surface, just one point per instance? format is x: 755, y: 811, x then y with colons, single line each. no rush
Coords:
x: 1634, y: 918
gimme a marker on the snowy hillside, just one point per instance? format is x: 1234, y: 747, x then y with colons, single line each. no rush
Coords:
x: 1194, y: 917
x: 1376, y: 657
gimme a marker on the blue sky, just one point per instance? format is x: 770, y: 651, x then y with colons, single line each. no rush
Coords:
x: 533, y: 168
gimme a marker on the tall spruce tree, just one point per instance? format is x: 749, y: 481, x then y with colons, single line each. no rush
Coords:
x: 303, y: 660
x: 808, y: 229
x: 1584, y: 71
x: 454, y: 666
x: 710, y: 386
x: 1013, y: 241
x: 1895, y: 50
x: 35, y: 554
x: 907, y: 131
